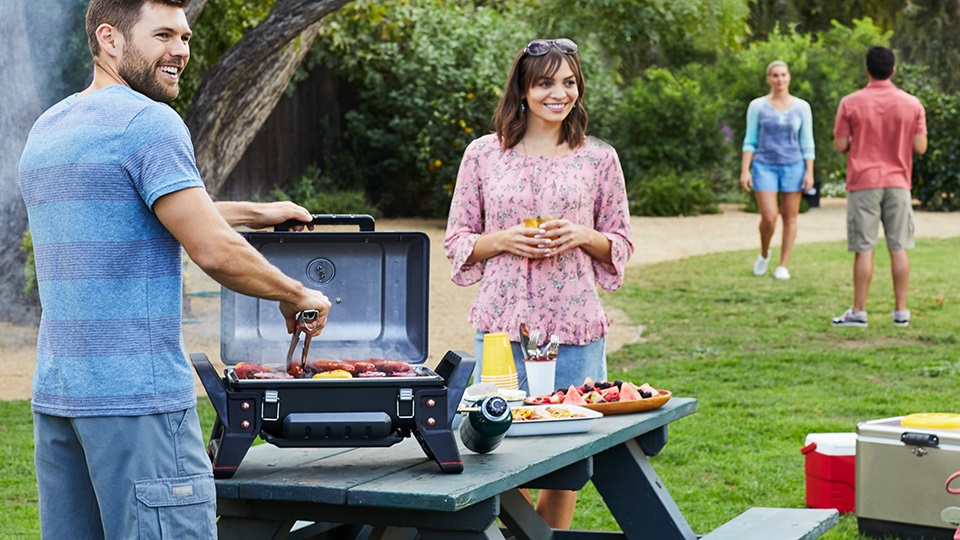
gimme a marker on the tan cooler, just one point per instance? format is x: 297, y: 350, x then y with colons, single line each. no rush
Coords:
x: 903, y: 464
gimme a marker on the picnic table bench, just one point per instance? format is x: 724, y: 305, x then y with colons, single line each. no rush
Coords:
x: 397, y: 493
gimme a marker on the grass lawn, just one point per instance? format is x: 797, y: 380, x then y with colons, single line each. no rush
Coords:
x: 760, y: 356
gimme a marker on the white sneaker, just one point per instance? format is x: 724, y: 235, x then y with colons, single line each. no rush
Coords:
x: 901, y: 318
x: 760, y: 266
x: 781, y: 273
x: 851, y: 318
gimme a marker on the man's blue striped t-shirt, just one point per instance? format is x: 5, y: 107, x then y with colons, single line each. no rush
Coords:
x: 109, y: 272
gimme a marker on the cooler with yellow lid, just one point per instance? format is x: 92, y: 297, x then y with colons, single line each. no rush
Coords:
x: 903, y: 464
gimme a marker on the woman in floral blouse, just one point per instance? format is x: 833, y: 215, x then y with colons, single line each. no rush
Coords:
x: 539, y: 162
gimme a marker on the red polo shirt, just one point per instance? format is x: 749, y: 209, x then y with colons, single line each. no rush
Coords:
x: 881, y: 121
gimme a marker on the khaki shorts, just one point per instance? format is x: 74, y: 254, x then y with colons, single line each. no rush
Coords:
x: 867, y: 208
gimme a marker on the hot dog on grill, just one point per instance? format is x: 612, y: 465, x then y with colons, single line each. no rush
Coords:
x: 390, y: 366
x: 320, y: 365
x: 361, y: 365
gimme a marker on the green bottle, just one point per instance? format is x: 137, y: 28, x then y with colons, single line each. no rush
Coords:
x: 486, y: 424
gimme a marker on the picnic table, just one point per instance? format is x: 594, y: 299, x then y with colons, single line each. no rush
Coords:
x: 399, y: 493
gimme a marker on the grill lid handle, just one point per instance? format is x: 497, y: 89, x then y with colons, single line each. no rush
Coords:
x: 365, y: 222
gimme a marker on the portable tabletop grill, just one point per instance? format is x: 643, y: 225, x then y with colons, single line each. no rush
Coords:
x: 378, y: 283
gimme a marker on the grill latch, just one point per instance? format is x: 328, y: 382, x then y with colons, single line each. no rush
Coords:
x: 405, y: 403
x: 271, y: 406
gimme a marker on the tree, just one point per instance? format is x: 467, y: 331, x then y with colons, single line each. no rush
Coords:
x: 637, y: 34
x: 239, y: 92
x: 236, y: 97
x: 22, y: 105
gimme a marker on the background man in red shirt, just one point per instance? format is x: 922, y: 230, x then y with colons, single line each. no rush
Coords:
x: 880, y: 127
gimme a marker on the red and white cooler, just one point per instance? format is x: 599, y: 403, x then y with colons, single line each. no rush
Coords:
x: 830, y: 466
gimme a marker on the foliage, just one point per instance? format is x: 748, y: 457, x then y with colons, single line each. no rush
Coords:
x: 925, y: 32
x: 664, y: 191
x: 936, y: 174
x: 30, y: 266
x: 668, y: 121
x: 638, y: 34
x: 316, y: 193
x: 812, y: 16
x: 426, y: 76
x: 221, y: 24
x: 824, y: 67
x: 928, y: 33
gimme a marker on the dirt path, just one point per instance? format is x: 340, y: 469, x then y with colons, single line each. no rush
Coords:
x: 655, y: 239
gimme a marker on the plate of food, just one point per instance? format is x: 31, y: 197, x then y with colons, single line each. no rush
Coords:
x: 551, y: 420
x: 479, y: 391
x: 617, y: 397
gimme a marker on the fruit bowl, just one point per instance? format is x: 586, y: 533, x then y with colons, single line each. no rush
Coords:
x: 638, y: 405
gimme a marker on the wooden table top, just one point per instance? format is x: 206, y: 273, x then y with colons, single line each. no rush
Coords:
x: 403, y: 477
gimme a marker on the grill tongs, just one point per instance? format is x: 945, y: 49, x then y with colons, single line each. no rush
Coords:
x: 308, y: 320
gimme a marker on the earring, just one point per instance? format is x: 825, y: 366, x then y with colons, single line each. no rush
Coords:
x: 523, y: 107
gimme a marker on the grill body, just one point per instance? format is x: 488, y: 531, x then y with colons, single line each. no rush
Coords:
x: 378, y: 283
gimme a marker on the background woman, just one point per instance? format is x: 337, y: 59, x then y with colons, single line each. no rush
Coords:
x: 779, y: 143
x: 540, y: 162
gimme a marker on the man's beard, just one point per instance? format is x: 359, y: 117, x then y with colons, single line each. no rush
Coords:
x: 142, y: 76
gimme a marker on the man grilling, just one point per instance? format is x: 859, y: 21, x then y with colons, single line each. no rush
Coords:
x: 112, y: 192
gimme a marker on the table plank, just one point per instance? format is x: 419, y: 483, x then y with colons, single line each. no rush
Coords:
x: 517, y: 461
x: 265, y: 459
x: 760, y: 523
x: 320, y: 475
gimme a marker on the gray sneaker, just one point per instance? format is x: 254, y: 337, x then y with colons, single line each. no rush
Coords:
x: 851, y: 318
x: 901, y: 318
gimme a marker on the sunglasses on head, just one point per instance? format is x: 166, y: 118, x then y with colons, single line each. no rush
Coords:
x: 540, y: 47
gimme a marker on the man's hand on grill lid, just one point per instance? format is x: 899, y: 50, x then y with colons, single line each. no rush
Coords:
x: 262, y: 215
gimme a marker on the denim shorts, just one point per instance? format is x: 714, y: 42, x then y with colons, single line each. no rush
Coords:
x: 780, y: 178
x: 574, y: 362
x: 146, y: 477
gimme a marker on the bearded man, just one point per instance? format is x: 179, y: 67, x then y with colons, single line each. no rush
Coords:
x: 113, y: 194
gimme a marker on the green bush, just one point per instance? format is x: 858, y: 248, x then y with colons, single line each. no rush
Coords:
x: 668, y: 120
x: 936, y: 174
x: 664, y: 191
x: 316, y: 193
x: 426, y: 76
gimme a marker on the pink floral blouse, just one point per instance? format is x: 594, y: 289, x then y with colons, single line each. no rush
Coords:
x: 496, y: 190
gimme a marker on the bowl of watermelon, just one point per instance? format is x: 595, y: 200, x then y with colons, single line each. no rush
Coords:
x: 607, y: 397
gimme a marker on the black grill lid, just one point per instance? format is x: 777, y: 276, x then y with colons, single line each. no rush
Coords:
x: 378, y: 283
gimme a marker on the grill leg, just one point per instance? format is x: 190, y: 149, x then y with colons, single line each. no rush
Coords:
x: 441, y: 446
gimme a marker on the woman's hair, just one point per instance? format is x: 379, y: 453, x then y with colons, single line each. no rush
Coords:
x: 120, y: 14
x: 776, y: 63
x: 510, y: 120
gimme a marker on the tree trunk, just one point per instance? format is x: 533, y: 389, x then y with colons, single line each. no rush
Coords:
x: 193, y: 10
x: 242, y: 88
x: 21, y: 106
